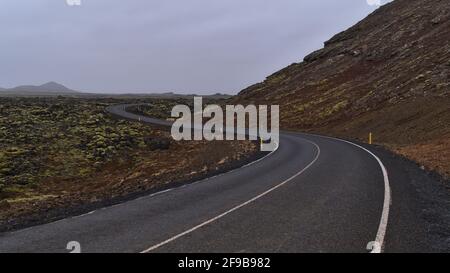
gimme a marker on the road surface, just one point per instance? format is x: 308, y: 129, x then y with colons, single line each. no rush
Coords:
x: 313, y: 194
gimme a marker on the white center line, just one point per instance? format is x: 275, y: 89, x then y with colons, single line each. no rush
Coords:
x: 237, y: 207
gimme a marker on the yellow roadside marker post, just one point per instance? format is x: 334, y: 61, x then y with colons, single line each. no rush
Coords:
x: 370, y: 138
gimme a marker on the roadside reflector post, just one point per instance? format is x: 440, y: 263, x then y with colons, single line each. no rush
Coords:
x: 370, y: 138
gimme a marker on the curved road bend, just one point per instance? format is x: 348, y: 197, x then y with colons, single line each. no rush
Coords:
x: 313, y: 194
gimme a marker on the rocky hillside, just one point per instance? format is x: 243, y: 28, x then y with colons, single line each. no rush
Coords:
x: 389, y: 74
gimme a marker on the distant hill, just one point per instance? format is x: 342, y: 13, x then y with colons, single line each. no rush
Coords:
x: 50, y: 88
x: 56, y: 89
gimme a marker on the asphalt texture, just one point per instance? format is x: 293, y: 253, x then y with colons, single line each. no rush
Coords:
x: 313, y: 194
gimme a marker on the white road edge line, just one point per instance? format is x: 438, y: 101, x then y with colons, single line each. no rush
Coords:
x: 381, y: 233
x: 378, y: 248
x: 238, y: 206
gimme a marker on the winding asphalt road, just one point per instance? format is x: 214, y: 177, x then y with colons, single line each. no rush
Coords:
x: 313, y: 194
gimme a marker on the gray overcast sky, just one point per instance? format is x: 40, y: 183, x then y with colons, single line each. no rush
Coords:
x: 198, y: 46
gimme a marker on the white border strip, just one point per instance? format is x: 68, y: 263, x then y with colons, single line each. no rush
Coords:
x: 378, y: 245
x: 237, y: 207
x: 379, y: 240
x: 381, y: 233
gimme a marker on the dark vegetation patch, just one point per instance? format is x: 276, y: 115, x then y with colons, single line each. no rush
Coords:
x: 49, y: 138
x: 61, y: 156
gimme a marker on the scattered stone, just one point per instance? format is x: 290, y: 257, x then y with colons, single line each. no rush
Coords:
x: 314, y: 56
x: 4, y: 204
x: 157, y: 143
x: 356, y: 53
x: 421, y: 76
x: 436, y: 20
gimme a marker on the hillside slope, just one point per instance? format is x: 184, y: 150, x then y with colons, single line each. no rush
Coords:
x: 389, y: 74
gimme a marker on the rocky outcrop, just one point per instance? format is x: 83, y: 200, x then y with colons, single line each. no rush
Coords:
x: 390, y: 63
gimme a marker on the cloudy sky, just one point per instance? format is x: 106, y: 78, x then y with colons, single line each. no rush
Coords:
x: 190, y: 46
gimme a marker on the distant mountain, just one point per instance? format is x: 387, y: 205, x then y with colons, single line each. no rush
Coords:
x: 50, y: 88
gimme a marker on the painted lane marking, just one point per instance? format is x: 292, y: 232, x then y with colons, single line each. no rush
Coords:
x: 152, y: 194
x: 381, y: 233
x: 378, y: 245
x: 236, y: 207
